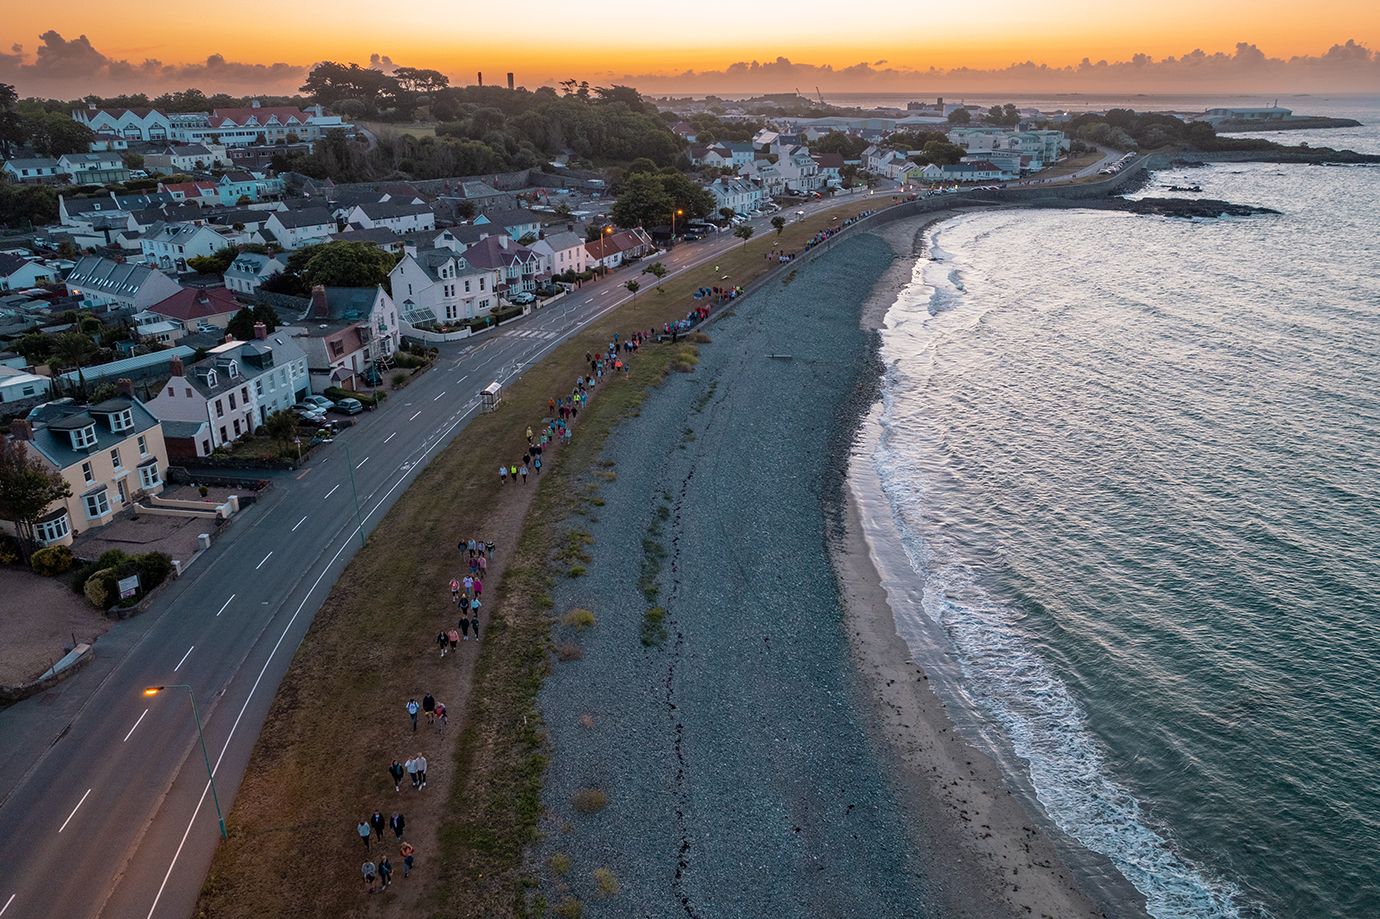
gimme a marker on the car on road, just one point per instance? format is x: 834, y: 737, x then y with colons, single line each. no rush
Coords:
x: 521, y: 298
x: 691, y: 236
x: 349, y: 406
x: 320, y: 402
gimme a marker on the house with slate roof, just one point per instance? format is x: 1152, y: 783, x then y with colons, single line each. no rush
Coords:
x: 440, y: 285
x: 102, y: 282
x: 300, y: 228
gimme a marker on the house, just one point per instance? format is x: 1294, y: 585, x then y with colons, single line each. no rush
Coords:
x: 110, y: 454
x: 20, y: 273
x: 346, y: 333
x: 102, y: 282
x: 740, y: 152
x: 600, y: 254
x: 16, y: 385
x: 170, y: 245
x: 305, y: 227
x: 257, y: 124
x: 398, y: 216
x: 764, y: 172
x: 201, y: 193
x: 518, y: 223
x: 684, y: 130
x: 187, y: 158
x: 633, y: 243
x: 799, y: 170
x: 93, y: 168
x: 249, y: 270
x: 239, y: 186
x: 830, y: 167
x: 198, y: 308
x: 33, y: 169
x: 440, y: 285
x: 738, y: 194
x: 517, y: 265
x: 562, y: 252
x: 143, y: 124
x: 236, y: 386
x: 979, y: 171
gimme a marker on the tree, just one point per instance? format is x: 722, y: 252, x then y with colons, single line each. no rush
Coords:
x: 11, y: 131
x: 71, y: 348
x: 1006, y: 115
x: 27, y: 487
x: 215, y: 263
x: 838, y: 142
x: 778, y: 223
x: 241, y: 325
x: 633, y: 287
x: 960, y: 116
x: 644, y: 202
x: 744, y: 233
x: 420, y: 80
x: 282, y: 427
x: 27, y: 205
x: 53, y: 134
x: 726, y: 212
x: 656, y: 270
x: 346, y: 264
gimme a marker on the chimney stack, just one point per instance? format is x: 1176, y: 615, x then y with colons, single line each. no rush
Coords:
x: 510, y: 81
x: 260, y: 331
x: 228, y: 339
x: 481, y: 78
x: 21, y: 429
x: 125, y: 387
x: 175, y: 365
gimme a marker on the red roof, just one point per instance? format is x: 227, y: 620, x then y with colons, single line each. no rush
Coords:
x: 196, y: 303
x: 263, y: 114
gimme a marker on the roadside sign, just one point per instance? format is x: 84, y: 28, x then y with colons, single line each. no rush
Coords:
x: 128, y: 586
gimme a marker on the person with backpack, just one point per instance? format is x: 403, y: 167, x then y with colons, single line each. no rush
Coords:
x: 429, y: 706
x: 396, y: 771
x: 397, y: 823
x: 408, y: 853
x: 367, y: 869
x: 363, y: 831
x: 412, y: 709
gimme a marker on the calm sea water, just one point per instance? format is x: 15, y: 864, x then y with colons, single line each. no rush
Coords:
x: 1134, y: 469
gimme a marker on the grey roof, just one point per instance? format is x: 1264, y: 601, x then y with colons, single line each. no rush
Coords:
x: 383, y: 210
x: 9, y: 264
x: 477, y: 189
x: 245, y: 216
x: 53, y: 420
x: 135, y: 201
x: 183, y: 429
x: 348, y: 304
x: 247, y: 265
x: 105, y: 276
x: 376, y: 235
x: 122, y: 367
x: 564, y: 240
x: 34, y: 162
x: 306, y: 217
x: 252, y: 359
x: 512, y: 217
x: 469, y: 234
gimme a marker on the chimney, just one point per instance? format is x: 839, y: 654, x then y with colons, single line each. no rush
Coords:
x: 125, y: 387
x: 260, y: 331
x: 510, y: 81
x: 175, y: 365
x: 21, y: 429
x: 201, y: 296
x: 320, y: 306
x: 481, y: 78
x: 228, y: 339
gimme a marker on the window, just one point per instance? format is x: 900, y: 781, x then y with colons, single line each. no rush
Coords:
x: 258, y: 387
x: 220, y: 409
x: 149, y: 477
x: 189, y: 392
x: 122, y: 421
x: 124, y: 492
x: 87, y: 473
x: 481, y: 283
x: 223, y: 436
x: 237, y: 427
x: 467, y: 285
x: 143, y: 445
x: 50, y: 531
x: 84, y: 437
x: 115, y: 458
x: 97, y: 505
x: 244, y: 394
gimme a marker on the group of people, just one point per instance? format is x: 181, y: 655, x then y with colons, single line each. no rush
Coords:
x: 382, y: 872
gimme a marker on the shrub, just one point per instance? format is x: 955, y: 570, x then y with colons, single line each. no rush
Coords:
x: 654, y: 626
x: 100, y: 588
x: 399, y: 379
x: 51, y: 561
x: 569, y: 651
x: 576, y: 571
x: 559, y: 863
x: 578, y: 618
x: 606, y: 882
x: 153, y: 568
x: 9, y: 550
x: 112, y: 559
x: 590, y: 800
x: 569, y: 908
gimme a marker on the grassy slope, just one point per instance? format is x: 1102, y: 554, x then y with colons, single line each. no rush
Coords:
x: 332, y: 726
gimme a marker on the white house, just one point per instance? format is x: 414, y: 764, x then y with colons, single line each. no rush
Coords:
x: 764, y: 172
x: 33, y: 169
x: 398, y: 216
x: 169, y: 245
x: 249, y: 270
x: 799, y: 170
x: 20, y: 273
x: 740, y: 195
x: 440, y: 285
x: 144, y: 124
x: 562, y: 252
x: 305, y: 227
x: 102, y: 282
x: 18, y: 385
x: 517, y: 265
x: 93, y: 168
x: 346, y: 332
x: 187, y: 158
x: 517, y: 222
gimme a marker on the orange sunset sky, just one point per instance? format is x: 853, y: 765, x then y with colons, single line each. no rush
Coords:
x: 544, y: 41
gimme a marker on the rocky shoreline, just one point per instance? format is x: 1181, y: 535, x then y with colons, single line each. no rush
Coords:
x: 1293, y: 123
x: 1184, y: 208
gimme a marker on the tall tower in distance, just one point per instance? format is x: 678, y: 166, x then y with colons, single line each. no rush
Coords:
x: 510, y: 80
x: 481, y: 78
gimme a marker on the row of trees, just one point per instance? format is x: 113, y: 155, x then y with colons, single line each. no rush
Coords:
x: 650, y: 196
x: 333, y: 264
x: 32, y: 124
x: 365, y: 92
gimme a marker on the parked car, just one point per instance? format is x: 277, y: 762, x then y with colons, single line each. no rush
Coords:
x: 320, y: 402
x: 349, y: 406
x: 521, y: 298
x: 306, y: 410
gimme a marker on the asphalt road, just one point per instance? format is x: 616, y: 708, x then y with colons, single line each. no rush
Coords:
x: 106, y: 808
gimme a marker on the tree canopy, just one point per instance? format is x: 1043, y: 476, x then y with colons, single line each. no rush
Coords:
x: 27, y: 487
x: 241, y: 325
x: 332, y: 264
x: 648, y: 199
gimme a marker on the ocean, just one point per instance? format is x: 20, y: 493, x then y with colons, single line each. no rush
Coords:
x: 1123, y: 488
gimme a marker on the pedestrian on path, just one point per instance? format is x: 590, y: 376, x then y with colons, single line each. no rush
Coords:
x: 536, y: 464
x: 441, y: 717
x: 408, y: 853
x: 503, y: 475
x: 421, y: 769
x: 412, y: 770
x: 441, y: 641
x: 396, y: 823
x: 385, y: 873
x: 363, y: 831
x: 454, y: 638
x: 474, y: 620
x: 377, y: 822
x: 367, y: 869
x: 489, y: 549
x: 483, y: 564
x: 464, y: 625
x: 429, y: 706
x: 478, y: 587
x: 454, y: 591
x: 529, y: 434
x: 412, y: 709
x: 523, y: 470
x: 396, y: 771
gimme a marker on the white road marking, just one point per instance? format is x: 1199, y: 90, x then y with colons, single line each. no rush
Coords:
x: 297, y: 524
x: 261, y: 564
x: 438, y: 395
x: 136, y: 724
x: 189, y: 652
x: 332, y: 491
x: 224, y: 605
x: 361, y: 462
x: 463, y: 378
x: 7, y: 904
x: 390, y: 437
x: 73, y: 814
x: 414, y: 417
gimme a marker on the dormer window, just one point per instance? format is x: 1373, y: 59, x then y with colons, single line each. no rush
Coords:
x: 122, y: 421
x: 232, y: 370
x: 84, y: 438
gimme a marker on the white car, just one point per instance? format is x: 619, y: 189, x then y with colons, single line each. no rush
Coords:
x: 320, y: 402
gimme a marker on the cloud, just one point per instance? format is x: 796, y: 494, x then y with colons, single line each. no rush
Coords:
x: 1345, y: 67
x: 69, y: 68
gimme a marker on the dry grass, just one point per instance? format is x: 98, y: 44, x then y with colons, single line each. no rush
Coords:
x: 558, y: 864
x: 568, y: 651
x: 290, y: 842
x: 606, y: 881
x: 578, y: 618
x: 587, y: 721
x: 589, y: 800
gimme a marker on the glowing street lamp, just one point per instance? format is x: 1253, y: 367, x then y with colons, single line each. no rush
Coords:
x: 205, y: 757
x: 678, y: 212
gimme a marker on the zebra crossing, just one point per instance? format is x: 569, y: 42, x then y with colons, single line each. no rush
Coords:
x: 531, y: 333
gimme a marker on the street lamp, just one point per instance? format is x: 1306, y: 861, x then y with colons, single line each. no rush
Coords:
x: 205, y: 757
x: 603, y: 242
x: 678, y: 212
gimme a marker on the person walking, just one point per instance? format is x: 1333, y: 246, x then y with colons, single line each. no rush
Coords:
x: 377, y: 822
x: 523, y: 470
x: 441, y: 717
x: 397, y: 823
x: 464, y: 625
x: 412, y: 709
x: 363, y: 831
x: 441, y: 641
x: 503, y: 475
x: 453, y: 637
x: 412, y: 770
x: 367, y: 869
x: 408, y: 853
x: 454, y: 591
x: 512, y: 472
x: 489, y: 549
x: 529, y: 435
x: 471, y: 547
x: 478, y: 587
x: 469, y: 581
x: 483, y: 565
x: 429, y: 706
x: 474, y: 620
x: 385, y: 873
x: 536, y: 464
x: 396, y: 771
x: 421, y: 770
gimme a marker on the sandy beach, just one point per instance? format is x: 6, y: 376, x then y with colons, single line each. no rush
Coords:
x: 760, y: 745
